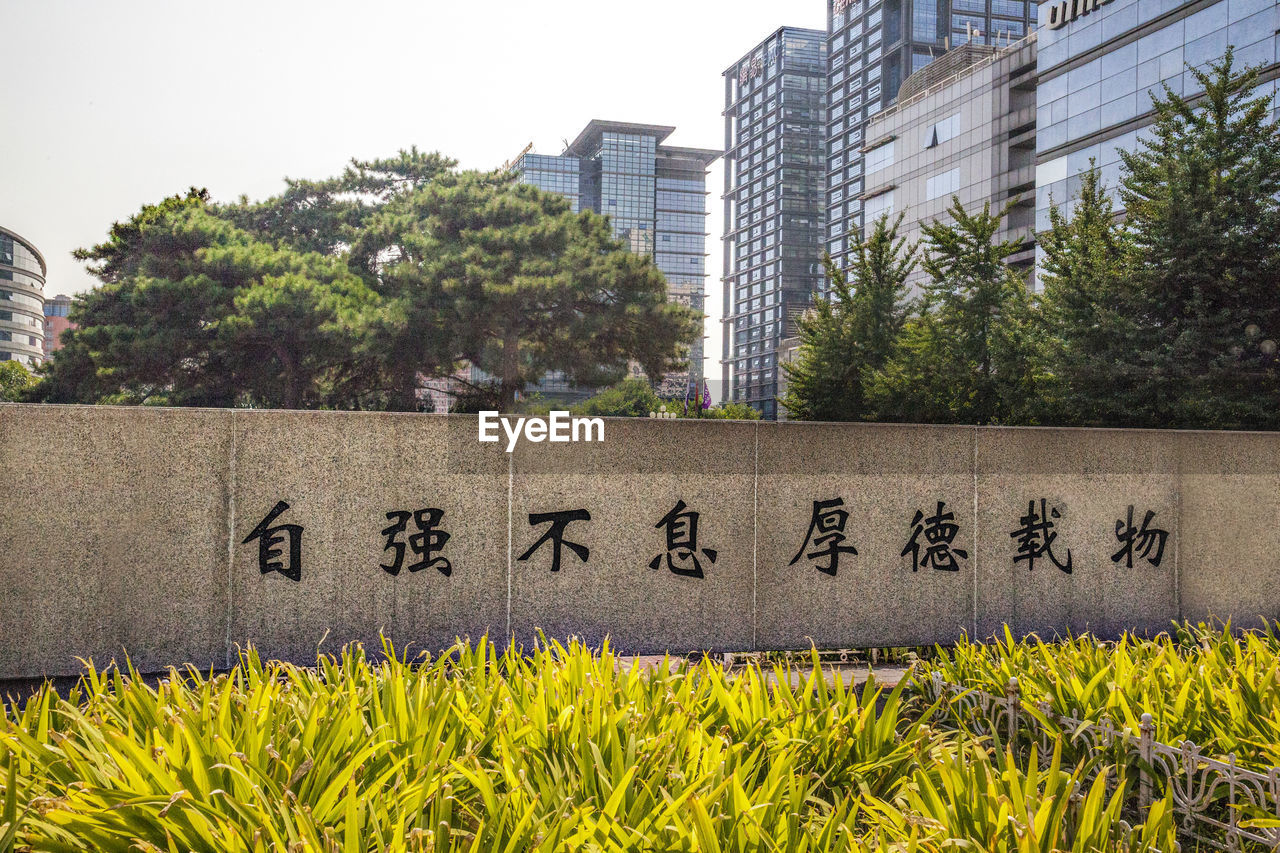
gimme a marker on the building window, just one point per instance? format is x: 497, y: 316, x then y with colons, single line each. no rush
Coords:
x: 948, y: 128
x: 893, y: 21
x: 948, y: 183
x: 877, y: 206
x: 879, y: 158
x: 967, y: 23
x: 924, y: 20
x: 1010, y: 8
x: 1007, y: 31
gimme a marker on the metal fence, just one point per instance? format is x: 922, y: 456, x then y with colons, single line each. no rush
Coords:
x: 1217, y: 802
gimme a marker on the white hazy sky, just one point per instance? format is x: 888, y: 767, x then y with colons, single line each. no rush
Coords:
x: 112, y: 105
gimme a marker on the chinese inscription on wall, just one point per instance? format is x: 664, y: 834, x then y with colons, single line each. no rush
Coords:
x: 418, y: 540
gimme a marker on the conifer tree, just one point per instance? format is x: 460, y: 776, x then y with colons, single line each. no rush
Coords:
x: 350, y: 292
x: 966, y: 356
x: 1091, y: 317
x: 195, y: 312
x: 852, y: 332
x: 1201, y: 195
x: 520, y: 285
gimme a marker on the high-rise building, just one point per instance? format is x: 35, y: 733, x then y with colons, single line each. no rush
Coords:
x: 774, y: 192
x: 1101, y: 63
x: 561, y: 175
x: 963, y: 127
x: 22, y: 273
x: 56, y: 312
x: 655, y: 196
x: 788, y: 353
x: 873, y: 46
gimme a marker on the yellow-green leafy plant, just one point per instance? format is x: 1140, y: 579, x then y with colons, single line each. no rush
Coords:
x: 493, y: 749
x: 1202, y: 683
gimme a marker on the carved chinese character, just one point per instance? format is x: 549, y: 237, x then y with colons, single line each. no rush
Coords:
x: 269, y: 537
x: 939, y: 531
x: 826, y: 536
x: 555, y: 535
x: 682, y: 543
x: 429, y: 540
x: 1143, y: 540
x: 1036, y: 537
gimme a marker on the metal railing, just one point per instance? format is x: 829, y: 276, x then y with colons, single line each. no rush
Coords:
x: 1218, y: 803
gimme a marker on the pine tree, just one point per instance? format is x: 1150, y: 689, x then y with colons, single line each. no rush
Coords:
x: 1201, y: 198
x: 526, y: 287
x: 966, y: 356
x: 851, y: 333
x: 1092, y: 319
x: 349, y: 292
x: 195, y: 312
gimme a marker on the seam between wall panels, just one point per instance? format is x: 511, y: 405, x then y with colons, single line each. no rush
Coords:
x: 231, y: 539
x: 977, y: 549
x: 511, y: 475
x: 755, y: 542
x: 1177, y: 541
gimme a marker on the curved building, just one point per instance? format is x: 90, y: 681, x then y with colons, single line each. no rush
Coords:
x: 22, y: 272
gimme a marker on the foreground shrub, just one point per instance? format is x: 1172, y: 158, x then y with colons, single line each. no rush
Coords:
x: 490, y: 750
x: 1200, y: 683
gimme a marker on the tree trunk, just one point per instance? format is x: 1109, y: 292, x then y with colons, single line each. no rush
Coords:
x: 404, y: 397
x: 292, y: 383
x: 510, y: 381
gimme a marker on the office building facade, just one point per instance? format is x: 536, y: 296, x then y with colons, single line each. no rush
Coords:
x: 964, y: 127
x: 56, y: 321
x: 775, y: 125
x: 655, y: 196
x: 562, y: 175
x: 875, y: 45
x: 1101, y: 63
x: 22, y: 278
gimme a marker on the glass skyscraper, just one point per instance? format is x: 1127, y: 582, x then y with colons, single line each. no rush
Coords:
x: 1100, y: 69
x: 22, y: 272
x: 775, y: 121
x: 655, y: 196
x: 873, y: 46
x: 554, y: 174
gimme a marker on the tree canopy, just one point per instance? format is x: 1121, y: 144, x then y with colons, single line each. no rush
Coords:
x: 1165, y: 316
x: 1202, y: 200
x: 964, y: 357
x: 15, y: 380
x: 1169, y: 316
x: 349, y: 292
x: 636, y: 398
x: 851, y: 332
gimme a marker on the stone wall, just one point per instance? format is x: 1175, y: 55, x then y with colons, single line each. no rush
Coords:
x: 134, y: 529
